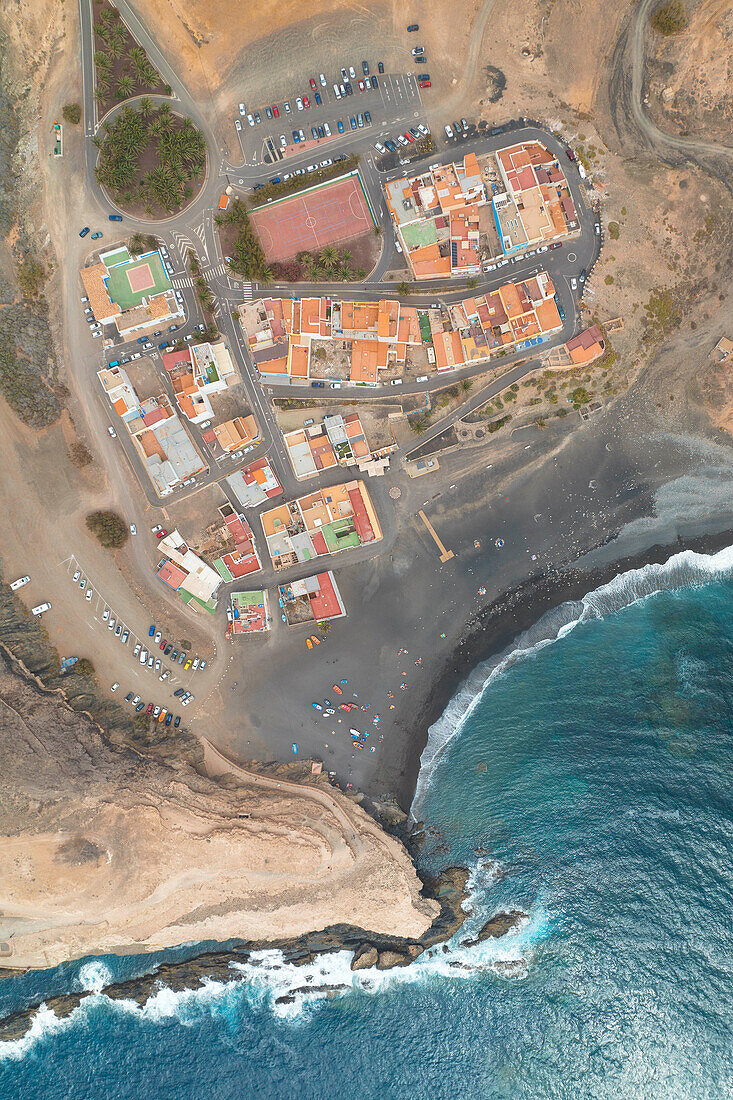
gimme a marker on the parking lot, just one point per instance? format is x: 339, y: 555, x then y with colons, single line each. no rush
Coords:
x: 143, y: 656
x: 395, y: 100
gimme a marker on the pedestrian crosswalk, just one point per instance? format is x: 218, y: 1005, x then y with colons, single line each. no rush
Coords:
x: 247, y: 292
x: 180, y: 282
x: 221, y: 270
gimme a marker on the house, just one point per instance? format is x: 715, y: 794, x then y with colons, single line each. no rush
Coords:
x: 160, y: 439
x: 254, y: 484
x: 183, y: 571
x: 327, y: 521
x: 196, y: 372
x: 313, y: 599
x: 243, y: 559
x: 248, y: 613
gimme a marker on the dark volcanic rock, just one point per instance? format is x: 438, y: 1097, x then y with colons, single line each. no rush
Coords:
x: 365, y: 958
x: 500, y: 924
x: 389, y: 959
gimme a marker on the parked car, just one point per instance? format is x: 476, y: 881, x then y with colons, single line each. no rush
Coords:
x: 21, y: 581
x: 115, y: 217
x: 362, y: 86
x: 139, y: 707
x: 286, y: 107
x: 448, y: 132
x: 375, y: 82
x: 84, y: 231
x: 367, y: 118
x: 96, y: 236
x: 168, y: 718
x: 157, y: 664
x: 177, y: 722
x: 39, y: 610
x: 570, y: 154
x: 365, y: 68
x: 418, y: 50
x: 380, y: 68
x: 151, y: 631
x: 275, y: 111
x: 268, y: 112
x: 242, y: 109
x: 136, y: 650
x: 352, y: 122
x: 340, y: 126
x: 306, y: 102
x: 425, y: 84
x: 112, y: 432
x: 413, y: 27
x: 143, y: 656
x: 125, y: 636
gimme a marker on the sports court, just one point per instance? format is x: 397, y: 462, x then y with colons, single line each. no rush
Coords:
x: 306, y: 223
x: 129, y: 280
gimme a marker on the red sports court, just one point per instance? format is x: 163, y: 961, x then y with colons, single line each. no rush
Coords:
x: 306, y: 223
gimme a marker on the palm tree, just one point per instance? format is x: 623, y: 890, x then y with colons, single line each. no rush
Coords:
x: 125, y: 87
x: 345, y: 256
x: 151, y: 78
x: 103, y: 62
x: 146, y: 107
x: 360, y: 275
x: 403, y: 289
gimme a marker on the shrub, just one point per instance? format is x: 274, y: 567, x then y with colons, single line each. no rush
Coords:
x: 608, y: 280
x: 614, y: 230
x: 31, y: 276
x: 79, y: 454
x: 84, y: 667
x: 72, y: 113
x: 669, y: 18
x: 580, y: 396
x: 403, y: 289
x: 109, y: 528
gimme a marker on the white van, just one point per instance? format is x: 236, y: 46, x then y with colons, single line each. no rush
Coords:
x: 337, y: 91
x: 19, y: 583
x: 41, y: 608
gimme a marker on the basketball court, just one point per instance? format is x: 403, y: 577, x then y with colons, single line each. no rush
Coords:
x: 307, y: 223
x: 131, y: 281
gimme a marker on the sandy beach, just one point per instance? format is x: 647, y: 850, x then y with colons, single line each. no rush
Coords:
x: 415, y: 627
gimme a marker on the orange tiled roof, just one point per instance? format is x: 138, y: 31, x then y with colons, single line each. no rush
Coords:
x: 100, y: 301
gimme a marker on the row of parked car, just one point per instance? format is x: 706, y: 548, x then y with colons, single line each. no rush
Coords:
x: 167, y: 648
x: 162, y: 714
x: 302, y: 103
x: 415, y: 133
x: 521, y: 256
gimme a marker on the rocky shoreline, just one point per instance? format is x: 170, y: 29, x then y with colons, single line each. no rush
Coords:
x: 382, y: 952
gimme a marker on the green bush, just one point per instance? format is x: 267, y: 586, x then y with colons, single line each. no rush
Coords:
x: 608, y: 280
x: 72, y: 113
x: 669, y: 18
x: 31, y: 276
x: 614, y: 230
x: 109, y: 528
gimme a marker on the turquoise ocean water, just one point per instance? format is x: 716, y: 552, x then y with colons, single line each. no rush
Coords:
x: 587, y: 783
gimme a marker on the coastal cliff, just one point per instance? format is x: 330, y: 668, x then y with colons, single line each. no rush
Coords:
x: 111, y: 847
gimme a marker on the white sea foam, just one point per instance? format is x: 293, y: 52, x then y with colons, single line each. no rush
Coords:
x: 94, y: 976
x: 683, y: 570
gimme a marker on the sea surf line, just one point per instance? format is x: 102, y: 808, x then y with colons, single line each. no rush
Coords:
x: 684, y: 570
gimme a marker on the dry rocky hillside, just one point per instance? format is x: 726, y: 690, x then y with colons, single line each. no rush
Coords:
x: 105, y: 848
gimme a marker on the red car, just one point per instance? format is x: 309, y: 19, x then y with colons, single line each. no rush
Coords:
x: 164, y: 643
x: 313, y: 84
x: 162, y: 533
x: 344, y: 706
x: 409, y: 136
x: 425, y: 84
x: 306, y: 101
x: 150, y: 708
x: 275, y: 111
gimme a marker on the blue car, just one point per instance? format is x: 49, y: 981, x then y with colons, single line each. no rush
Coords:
x: 141, y: 339
x: 115, y: 217
x: 151, y: 632
x: 341, y: 127
x: 84, y: 231
x: 318, y: 98
x: 352, y: 120
x: 296, y: 136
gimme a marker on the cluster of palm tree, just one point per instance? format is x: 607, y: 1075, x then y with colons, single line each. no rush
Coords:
x: 329, y: 266
x: 248, y: 257
x: 137, y: 70
x: 180, y: 148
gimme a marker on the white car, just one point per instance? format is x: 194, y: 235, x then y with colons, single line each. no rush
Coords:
x: 326, y: 129
x: 397, y: 245
x: 283, y: 141
x: 157, y: 664
x: 158, y: 636
x: 323, y: 80
x: 143, y: 657
x: 114, y: 687
x: 112, y: 432
x: 250, y: 120
x: 352, y: 72
x: 379, y: 147
x: 423, y: 129
x: 90, y: 593
x: 299, y: 103
x: 96, y: 335
x: 19, y: 583
x: 136, y: 652
x: 111, y: 623
x: 105, y: 614
x: 77, y: 574
x: 242, y: 109
x: 151, y: 661
x: 545, y: 248
x: 573, y: 284
x: 402, y: 139
x: 448, y: 132
x: 133, y: 529
x: 237, y: 124
x: 185, y: 701
x: 286, y: 105
x: 195, y: 664
x: 396, y: 382
x: 337, y: 91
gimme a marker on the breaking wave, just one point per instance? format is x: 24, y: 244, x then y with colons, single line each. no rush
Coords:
x: 684, y: 570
